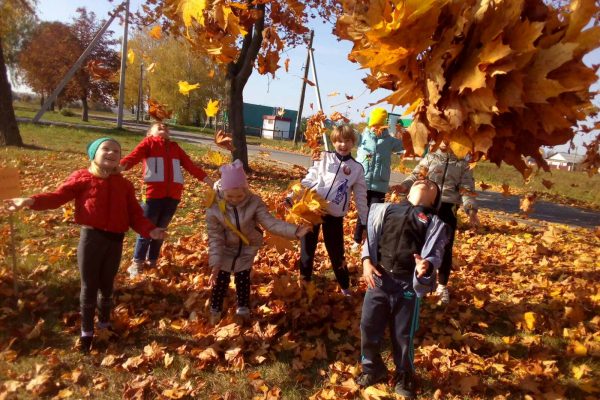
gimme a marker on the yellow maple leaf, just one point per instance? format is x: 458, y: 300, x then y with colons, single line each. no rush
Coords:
x: 192, y: 9
x: 530, y: 319
x: 212, y: 108
x: 580, y: 370
x: 576, y: 348
x: 130, y: 56
x: 185, y: 88
x: 155, y: 32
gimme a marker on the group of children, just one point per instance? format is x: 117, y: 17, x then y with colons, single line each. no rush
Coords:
x: 404, y: 243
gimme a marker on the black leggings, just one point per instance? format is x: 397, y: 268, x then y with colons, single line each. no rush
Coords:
x: 333, y: 235
x: 242, y: 289
x: 447, y: 214
x: 372, y: 197
x: 98, y: 258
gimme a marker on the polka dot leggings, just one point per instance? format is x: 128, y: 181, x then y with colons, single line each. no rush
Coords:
x: 242, y: 289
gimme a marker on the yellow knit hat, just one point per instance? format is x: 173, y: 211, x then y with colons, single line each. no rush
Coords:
x: 378, y: 117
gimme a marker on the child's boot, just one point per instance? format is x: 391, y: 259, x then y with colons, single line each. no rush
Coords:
x: 443, y: 294
x: 135, y: 268
x: 405, y: 384
x: 151, y: 263
x: 85, y: 344
x: 243, y: 314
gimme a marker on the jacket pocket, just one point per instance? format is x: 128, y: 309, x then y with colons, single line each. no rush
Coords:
x: 155, y: 169
x: 177, y: 175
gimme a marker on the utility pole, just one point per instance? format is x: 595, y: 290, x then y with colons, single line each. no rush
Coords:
x: 77, y: 64
x: 301, y: 106
x: 123, y: 66
x: 316, y: 82
x: 140, y: 102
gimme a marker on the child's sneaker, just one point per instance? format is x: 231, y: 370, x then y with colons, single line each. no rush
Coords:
x: 243, y: 314
x: 135, y: 268
x: 355, y: 247
x: 151, y: 263
x: 84, y: 345
x: 365, y: 379
x: 443, y: 294
x: 405, y: 384
x: 215, y: 317
x: 347, y: 292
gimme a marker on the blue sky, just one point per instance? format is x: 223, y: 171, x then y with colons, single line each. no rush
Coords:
x: 334, y: 72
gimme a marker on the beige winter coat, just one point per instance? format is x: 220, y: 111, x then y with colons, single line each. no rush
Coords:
x: 226, y: 249
x: 458, y: 182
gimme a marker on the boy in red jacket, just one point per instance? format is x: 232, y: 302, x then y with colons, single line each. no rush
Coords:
x: 105, y: 207
x: 163, y: 160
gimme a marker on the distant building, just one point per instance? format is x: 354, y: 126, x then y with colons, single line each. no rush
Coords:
x: 274, y: 126
x: 565, y: 161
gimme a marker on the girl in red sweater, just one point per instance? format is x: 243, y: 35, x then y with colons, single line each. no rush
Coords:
x: 163, y: 160
x: 105, y: 207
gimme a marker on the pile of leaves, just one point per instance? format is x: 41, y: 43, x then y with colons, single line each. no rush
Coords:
x: 498, y: 79
x: 523, y: 320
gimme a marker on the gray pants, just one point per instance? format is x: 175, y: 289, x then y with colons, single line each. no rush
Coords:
x: 391, y: 303
x: 98, y: 258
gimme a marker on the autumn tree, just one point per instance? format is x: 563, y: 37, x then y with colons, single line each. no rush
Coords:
x: 47, y: 57
x: 16, y: 17
x: 498, y: 79
x: 242, y: 35
x: 168, y: 60
x: 86, y: 87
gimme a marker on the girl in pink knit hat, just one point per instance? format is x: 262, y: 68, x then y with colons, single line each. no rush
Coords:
x: 234, y: 237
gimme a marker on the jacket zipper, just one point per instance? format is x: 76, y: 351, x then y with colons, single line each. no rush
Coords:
x: 108, y: 201
x: 406, y: 214
x: 237, y: 224
x: 374, y: 164
x: 167, y: 179
x: 336, y: 174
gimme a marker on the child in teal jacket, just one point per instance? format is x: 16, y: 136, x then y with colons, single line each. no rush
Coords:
x: 375, y: 149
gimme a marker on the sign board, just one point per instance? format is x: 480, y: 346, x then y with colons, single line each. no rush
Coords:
x: 10, y: 185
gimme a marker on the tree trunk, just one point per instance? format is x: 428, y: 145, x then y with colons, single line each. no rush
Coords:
x: 84, y: 109
x: 238, y: 73
x: 236, y: 124
x: 9, y: 130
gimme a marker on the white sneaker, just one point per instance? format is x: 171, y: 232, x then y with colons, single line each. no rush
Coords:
x: 135, y: 268
x: 243, y: 314
x: 356, y: 247
x: 443, y: 294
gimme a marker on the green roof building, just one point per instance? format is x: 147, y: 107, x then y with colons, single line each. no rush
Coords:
x: 254, y: 116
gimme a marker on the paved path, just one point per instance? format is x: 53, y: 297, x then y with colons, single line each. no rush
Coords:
x: 543, y: 210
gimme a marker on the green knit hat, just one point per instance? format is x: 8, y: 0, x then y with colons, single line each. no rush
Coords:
x: 93, y: 146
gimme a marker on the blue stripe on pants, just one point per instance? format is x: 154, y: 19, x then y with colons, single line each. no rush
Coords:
x: 391, y: 303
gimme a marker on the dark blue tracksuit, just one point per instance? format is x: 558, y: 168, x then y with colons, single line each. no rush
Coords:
x: 394, y: 233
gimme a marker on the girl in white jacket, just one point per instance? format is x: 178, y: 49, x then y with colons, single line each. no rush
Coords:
x: 334, y: 177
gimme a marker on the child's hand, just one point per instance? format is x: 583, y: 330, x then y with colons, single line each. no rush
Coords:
x: 158, y: 234
x: 18, y: 203
x: 121, y: 168
x: 422, y: 265
x: 302, y: 230
x: 368, y: 271
x: 212, y: 281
